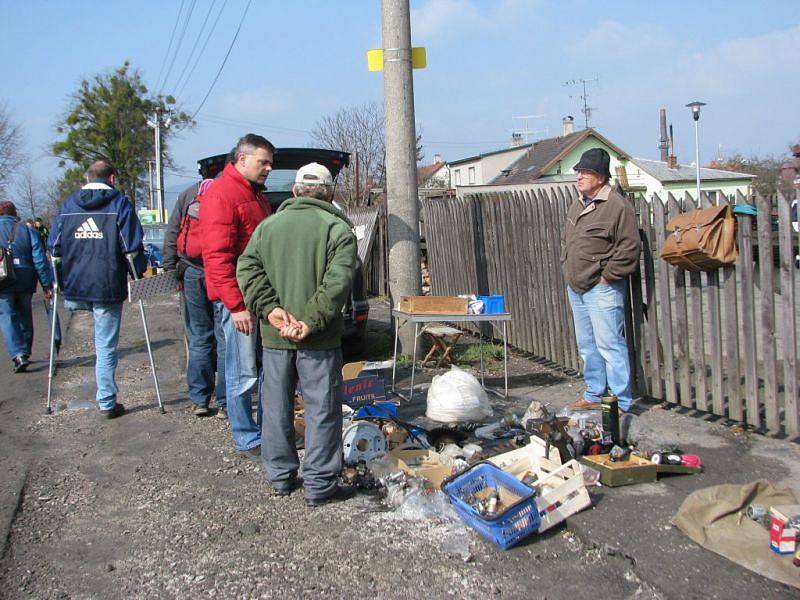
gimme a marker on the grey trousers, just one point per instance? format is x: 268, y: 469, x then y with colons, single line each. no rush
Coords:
x: 319, y: 374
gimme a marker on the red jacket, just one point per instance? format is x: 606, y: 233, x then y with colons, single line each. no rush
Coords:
x: 229, y: 213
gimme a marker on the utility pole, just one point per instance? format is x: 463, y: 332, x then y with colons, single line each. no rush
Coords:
x: 401, y: 160
x: 156, y: 125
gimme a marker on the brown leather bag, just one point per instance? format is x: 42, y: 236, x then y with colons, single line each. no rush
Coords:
x: 702, y: 240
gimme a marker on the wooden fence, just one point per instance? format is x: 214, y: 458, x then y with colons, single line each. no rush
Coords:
x: 724, y: 342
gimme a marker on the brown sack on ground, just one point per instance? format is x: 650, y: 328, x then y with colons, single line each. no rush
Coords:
x: 714, y: 518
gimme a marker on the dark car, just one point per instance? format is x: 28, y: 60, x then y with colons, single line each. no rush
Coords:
x: 285, y: 163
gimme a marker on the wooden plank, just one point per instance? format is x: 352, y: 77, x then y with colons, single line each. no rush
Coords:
x: 697, y: 333
x: 791, y: 418
x: 768, y: 354
x: 653, y: 340
x: 681, y: 321
x: 732, y: 366
x: 535, y: 266
x: 715, y: 335
x: 563, y: 200
x: 557, y: 289
x: 522, y: 259
x: 546, y: 282
x: 665, y: 304
x: 637, y: 305
x: 745, y: 267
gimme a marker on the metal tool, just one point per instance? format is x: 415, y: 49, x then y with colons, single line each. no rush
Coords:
x: 55, y: 260
x: 130, y: 257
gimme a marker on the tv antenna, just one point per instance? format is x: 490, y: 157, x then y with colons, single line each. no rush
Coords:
x: 526, y: 132
x: 583, y: 98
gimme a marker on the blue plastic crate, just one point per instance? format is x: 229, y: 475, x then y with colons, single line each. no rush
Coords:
x: 509, y: 527
x: 493, y: 305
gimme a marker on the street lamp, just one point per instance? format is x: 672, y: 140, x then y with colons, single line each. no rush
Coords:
x: 695, y: 106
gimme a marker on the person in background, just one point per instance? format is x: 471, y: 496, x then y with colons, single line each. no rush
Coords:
x: 30, y: 265
x: 299, y: 303
x: 230, y: 211
x: 202, y: 319
x: 600, y: 247
x: 96, y: 236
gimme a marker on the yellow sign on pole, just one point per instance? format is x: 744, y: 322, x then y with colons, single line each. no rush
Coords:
x: 375, y: 59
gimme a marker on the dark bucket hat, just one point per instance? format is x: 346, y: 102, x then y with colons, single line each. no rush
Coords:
x: 595, y: 159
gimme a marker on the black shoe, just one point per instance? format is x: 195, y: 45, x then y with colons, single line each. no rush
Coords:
x: 253, y: 454
x: 21, y: 363
x: 343, y: 492
x: 222, y: 413
x: 113, y: 413
x: 287, y: 488
x: 201, y: 410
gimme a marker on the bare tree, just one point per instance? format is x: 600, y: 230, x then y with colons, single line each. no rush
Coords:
x: 30, y: 193
x: 11, y: 149
x: 355, y: 129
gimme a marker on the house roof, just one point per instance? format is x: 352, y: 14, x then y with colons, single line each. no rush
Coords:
x: 426, y: 172
x: 544, y: 154
x: 479, y: 156
x: 664, y: 174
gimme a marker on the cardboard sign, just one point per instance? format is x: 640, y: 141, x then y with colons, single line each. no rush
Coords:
x: 363, y: 390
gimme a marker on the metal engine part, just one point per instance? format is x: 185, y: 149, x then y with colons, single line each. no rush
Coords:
x: 362, y: 441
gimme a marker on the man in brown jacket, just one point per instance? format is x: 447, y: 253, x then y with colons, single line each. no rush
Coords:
x: 599, y: 248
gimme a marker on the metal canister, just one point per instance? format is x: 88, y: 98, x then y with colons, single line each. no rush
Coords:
x: 756, y: 512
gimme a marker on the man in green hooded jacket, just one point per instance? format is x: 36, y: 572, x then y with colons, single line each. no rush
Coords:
x: 295, y: 275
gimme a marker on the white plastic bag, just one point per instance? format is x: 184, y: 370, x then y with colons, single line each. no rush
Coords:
x: 457, y: 396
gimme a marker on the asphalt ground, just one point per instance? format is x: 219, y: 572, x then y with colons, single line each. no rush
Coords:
x: 160, y: 505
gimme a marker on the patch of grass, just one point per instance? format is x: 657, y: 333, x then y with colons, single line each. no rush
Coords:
x: 469, y: 354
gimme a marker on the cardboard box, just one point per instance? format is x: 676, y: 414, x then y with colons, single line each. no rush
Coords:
x: 420, y: 463
x: 363, y: 390
x: 622, y: 472
x: 433, y: 305
x: 782, y: 539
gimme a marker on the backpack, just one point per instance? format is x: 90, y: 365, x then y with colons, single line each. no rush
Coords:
x: 7, y: 274
x: 702, y: 240
x: 188, y: 242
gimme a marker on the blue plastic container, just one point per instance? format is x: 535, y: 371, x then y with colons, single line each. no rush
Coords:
x: 509, y: 527
x: 493, y: 305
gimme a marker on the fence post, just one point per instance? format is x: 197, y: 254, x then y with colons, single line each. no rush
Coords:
x: 788, y: 321
x: 765, y: 269
x: 665, y: 303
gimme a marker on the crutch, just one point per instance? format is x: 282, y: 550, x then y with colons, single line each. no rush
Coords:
x: 51, y: 371
x: 130, y: 258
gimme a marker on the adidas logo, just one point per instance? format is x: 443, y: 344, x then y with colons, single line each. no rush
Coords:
x: 89, y: 230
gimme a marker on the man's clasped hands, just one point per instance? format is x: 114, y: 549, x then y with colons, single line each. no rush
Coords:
x: 288, y: 325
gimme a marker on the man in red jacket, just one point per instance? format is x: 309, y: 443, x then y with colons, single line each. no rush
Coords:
x: 229, y: 212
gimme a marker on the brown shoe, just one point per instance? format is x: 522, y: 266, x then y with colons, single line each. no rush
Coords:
x: 584, y: 404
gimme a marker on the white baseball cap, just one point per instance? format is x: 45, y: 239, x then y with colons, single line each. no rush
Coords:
x: 314, y: 174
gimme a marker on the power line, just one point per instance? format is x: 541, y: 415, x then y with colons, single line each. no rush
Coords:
x: 203, y: 49
x: 225, y: 60
x: 169, y: 46
x: 180, y: 41
x: 196, y: 42
x: 244, y: 123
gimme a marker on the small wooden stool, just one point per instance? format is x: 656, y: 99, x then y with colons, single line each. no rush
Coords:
x: 444, y: 339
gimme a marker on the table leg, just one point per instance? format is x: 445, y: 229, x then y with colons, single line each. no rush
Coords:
x: 480, y: 338
x: 413, y: 361
x: 394, y: 362
x: 505, y: 356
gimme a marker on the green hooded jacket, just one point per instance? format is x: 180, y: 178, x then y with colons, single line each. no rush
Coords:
x: 301, y: 259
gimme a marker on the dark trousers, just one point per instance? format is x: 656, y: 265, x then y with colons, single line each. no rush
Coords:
x: 319, y: 374
x: 206, y: 341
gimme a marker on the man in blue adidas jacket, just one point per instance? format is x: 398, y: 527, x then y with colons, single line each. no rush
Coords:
x: 93, y: 232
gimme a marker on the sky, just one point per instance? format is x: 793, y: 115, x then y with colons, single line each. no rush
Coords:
x: 489, y: 61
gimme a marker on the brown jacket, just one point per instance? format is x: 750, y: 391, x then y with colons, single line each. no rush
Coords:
x: 599, y: 240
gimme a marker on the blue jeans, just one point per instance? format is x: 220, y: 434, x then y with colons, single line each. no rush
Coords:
x: 203, y: 323
x: 16, y: 323
x: 107, y: 320
x: 241, y: 379
x: 599, y: 317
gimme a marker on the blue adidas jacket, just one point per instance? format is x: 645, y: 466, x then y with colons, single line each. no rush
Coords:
x: 30, y: 262
x: 94, y: 229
